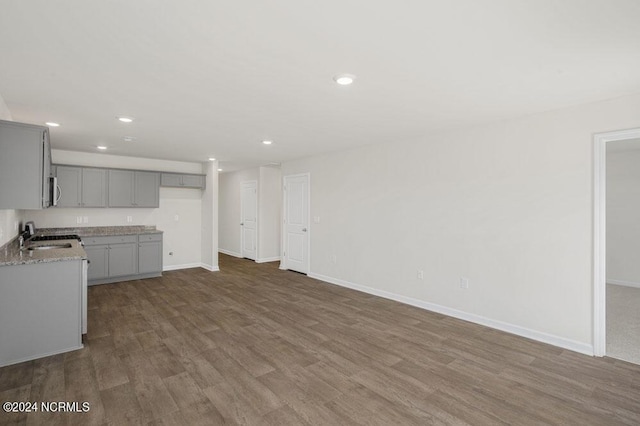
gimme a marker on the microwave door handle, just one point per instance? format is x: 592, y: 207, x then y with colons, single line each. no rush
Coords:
x: 57, y: 191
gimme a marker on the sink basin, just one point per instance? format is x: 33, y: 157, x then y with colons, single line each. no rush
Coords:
x: 50, y: 246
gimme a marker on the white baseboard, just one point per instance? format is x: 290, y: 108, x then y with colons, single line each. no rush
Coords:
x: 268, y: 259
x: 561, y: 342
x: 183, y: 266
x: 210, y: 267
x: 229, y: 252
x: 624, y: 283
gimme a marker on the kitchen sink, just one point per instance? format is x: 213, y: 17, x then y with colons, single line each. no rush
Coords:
x: 50, y: 246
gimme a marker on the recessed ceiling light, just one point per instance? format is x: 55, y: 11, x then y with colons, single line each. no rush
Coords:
x: 267, y: 142
x: 101, y: 147
x: 129, y: 139
x: 52, y: 124
x: 344, y: 79
x: 212, y: 159
x: 219, y: 170
x: 125, y: 119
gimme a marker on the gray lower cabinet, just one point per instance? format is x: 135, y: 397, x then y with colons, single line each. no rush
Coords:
x: 123, y: 257
x: 82, y: 186
x: 131, y: 188
x: 98, y: 267
x: 149, y: 253
x: 41, y: 308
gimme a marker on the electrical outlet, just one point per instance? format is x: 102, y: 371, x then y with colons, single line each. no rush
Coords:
x: 15, y: 225
x: 464, y: 283
x: 334, y: 259
x: 78, y: 219
x: 176, y: 218
x: 420, y: 274
x: 85, y: 219
x: 129, y: 219
x: 1, y: 233
x: 316, y: 219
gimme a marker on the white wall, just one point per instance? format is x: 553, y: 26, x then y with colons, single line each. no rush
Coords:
x: 508, y: 206
x: 269, y: 207
x: 623, y: 217
x: 9, y: 222
x: 182, y: 237
x: 269, y: 213
x: 8, y: 218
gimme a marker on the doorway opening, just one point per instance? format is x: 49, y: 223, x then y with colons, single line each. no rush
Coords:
x: 601, y: 142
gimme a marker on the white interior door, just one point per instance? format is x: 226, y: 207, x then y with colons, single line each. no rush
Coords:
x: 296, y: 248
x: 249, y: 219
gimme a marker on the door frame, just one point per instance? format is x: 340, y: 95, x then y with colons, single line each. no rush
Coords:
x: 257, y: 221
x: 283, y: 241
x: 600, y: 141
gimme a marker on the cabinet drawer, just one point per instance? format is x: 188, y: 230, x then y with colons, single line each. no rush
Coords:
x: 112, y: 239
x: 149, y: 237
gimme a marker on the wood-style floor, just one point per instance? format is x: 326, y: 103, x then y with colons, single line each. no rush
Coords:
x: 256, y: 345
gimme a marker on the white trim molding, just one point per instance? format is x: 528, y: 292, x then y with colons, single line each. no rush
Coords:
x: 210, y: 268
x: 268, y: 259
x: 624, y: 283
x: 183, y: 266
x: 600, y: 232
x: 229, y: 252
x: 551, y: 339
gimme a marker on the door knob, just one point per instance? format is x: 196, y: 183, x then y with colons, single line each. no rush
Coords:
x: 304, y: 229
x: 241, y: 223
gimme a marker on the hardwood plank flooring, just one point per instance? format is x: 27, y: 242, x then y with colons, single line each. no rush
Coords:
x: 256, y: 345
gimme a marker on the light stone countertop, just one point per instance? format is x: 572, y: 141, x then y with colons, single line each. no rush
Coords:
x: 10, y: 253
x: 100, y: 231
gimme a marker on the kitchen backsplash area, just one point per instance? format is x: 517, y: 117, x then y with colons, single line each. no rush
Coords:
x: 179, y: 216
x: 8, y: 229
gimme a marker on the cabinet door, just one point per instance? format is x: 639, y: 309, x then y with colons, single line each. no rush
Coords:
x: 193, y: 181
x: 150, y: 257
x: 70, y: 182
x: 121, y: 188
x: 123, y: 259
x: 94, y: 188
x: 147, y: 192
x: 98, y: 262
x: 171, y: 179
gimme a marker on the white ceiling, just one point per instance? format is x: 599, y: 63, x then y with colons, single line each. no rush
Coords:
x: 213, y: 78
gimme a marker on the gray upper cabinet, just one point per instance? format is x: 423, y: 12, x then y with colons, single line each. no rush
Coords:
x: 69, y: 181
x: 121, y: 188
x: 147, y: 189
x: 181, y: 180
x: 129, y: 188
x: 25, y: 166
x: 94, y: 187
x: 82, y: 187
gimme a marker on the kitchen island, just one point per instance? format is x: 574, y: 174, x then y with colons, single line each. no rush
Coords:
x: 42, y: 299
